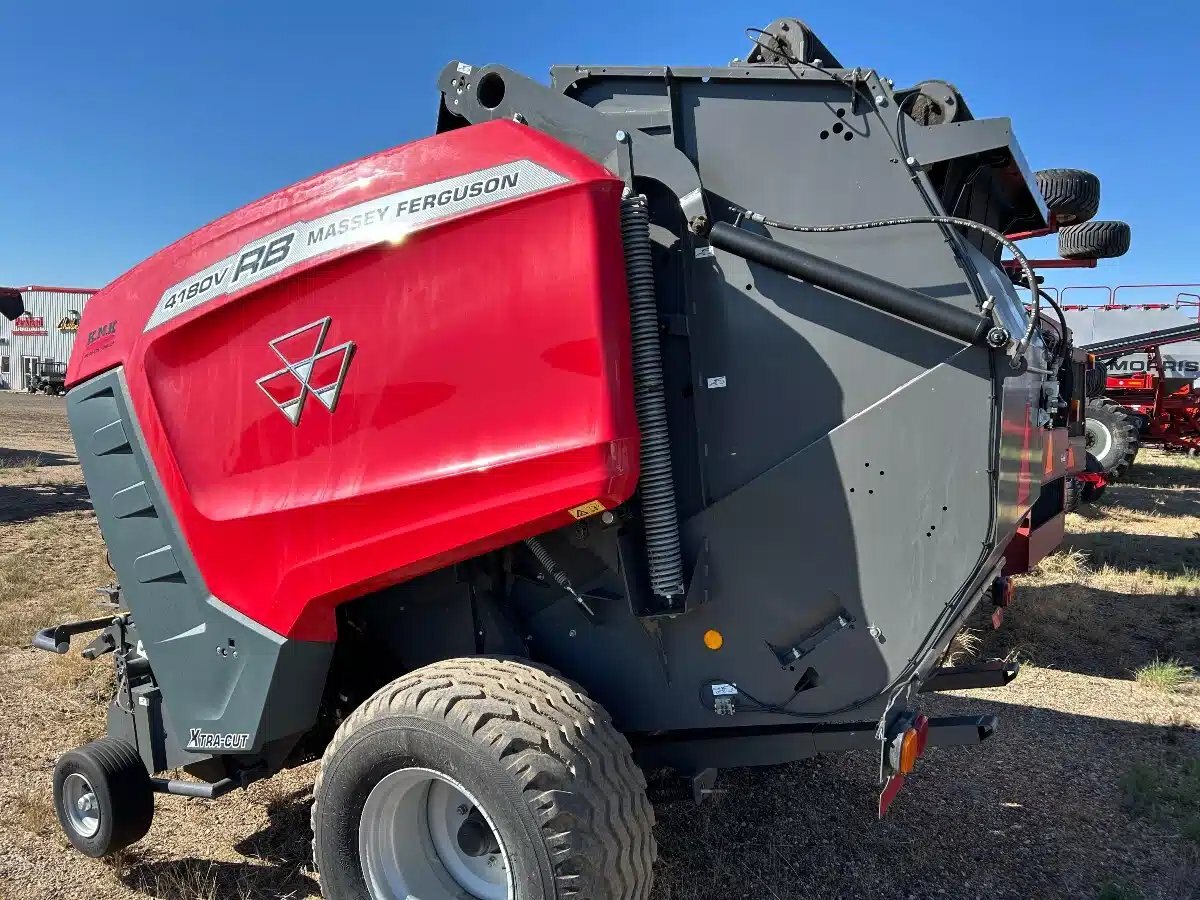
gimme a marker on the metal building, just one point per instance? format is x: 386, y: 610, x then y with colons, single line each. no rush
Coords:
x: 43, y: 336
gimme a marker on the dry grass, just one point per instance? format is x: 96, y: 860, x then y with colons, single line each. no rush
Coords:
x: 20, y: 462
x: 1168, y: 675
x: 33, y: 812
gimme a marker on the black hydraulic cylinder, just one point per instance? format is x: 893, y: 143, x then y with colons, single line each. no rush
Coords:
x: 869, y: 290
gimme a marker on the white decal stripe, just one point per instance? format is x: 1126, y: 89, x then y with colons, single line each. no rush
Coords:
x: 387, y: 218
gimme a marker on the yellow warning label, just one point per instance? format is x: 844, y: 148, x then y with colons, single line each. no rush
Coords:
x: 587, y: 509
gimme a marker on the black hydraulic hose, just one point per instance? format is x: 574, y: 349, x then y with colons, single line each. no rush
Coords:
x: 905, y: 303
x: 1061, y: 356
x: 657, y: 481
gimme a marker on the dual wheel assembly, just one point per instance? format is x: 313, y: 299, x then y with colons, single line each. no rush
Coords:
x: 471, y: 778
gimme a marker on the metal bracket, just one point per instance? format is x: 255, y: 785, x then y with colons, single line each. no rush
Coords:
x: 789, y: 656
x: 497, y: 92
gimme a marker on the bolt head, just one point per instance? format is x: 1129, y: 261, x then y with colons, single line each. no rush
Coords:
x: 880, y: 100
x: 462, y: 809
x: 571, y: 633
x: 622, y: 136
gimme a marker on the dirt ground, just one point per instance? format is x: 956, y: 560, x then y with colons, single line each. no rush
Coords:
x: 1091, y: 788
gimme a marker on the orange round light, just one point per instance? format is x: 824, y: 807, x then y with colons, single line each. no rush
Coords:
x: 713, y: 639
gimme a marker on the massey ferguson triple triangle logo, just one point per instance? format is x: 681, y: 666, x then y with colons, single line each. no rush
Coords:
x: 308, y: 368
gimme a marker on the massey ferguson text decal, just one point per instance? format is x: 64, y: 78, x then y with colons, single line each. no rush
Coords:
x: 387, y: 218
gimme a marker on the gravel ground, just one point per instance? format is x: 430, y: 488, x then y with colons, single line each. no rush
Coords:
x: 1082, y: 794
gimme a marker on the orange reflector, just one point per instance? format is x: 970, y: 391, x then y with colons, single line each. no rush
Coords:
x: 913, y: 744
x: 713, y: 639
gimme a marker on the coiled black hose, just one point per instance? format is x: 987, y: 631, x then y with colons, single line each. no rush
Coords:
x: 656, y: 484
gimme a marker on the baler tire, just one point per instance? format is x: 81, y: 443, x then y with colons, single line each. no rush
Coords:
x: 1071, y: 194
x: 1116, y: 455
x: 555, y: 779
x: 1094, y: 240
x: 1072, y: 489
x: 121, y: 791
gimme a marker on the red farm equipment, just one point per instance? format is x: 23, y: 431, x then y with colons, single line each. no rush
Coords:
x: 1149, y: 373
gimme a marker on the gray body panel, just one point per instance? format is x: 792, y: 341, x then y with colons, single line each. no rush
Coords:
x: 219, y: 672
x: 845, y: 461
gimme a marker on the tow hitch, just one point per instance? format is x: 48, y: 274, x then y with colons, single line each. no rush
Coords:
x: 57, y: 638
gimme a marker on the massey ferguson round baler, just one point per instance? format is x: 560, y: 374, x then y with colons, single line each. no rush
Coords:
x: 659, y: 418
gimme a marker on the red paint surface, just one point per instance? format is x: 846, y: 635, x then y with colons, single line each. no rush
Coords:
x: 488, y: 393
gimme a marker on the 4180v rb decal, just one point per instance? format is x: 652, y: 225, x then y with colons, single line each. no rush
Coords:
x: 386, y: 218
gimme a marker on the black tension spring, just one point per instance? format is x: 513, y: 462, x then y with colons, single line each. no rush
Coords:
x: 656, y: 484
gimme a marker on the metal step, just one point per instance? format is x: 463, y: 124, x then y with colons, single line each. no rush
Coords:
x: 959, y: 731
x: 956, y: 678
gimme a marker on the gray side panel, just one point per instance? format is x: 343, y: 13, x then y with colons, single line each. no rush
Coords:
x: 855, y: 523
x: 219, y: 671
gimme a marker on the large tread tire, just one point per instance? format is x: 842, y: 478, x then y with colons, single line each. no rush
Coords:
x: 1117, y: 440
x: 1095, y: 380
x: 1071, y: 194
x: 122, y: 789
x: 1094, y: 240
x: 543, y: 758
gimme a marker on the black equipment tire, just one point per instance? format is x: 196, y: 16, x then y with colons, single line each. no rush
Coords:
x: 1094, y: 240
x: 1088, y: 492
x: 1112, y: 438
x: 1071, y: 194
x: 1072, y: 490
x: 1095, y: 380
x: 540, y: 759
x: 120, y: 796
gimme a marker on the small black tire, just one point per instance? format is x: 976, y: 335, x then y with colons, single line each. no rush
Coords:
x: 1072, y: 489
x: 1094, y: 240
x: 542, y: 762
x: 110, y: 778
x: 1112, y: 438
x: 1071, y: 194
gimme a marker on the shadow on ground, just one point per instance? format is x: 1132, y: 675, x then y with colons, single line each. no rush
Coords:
x: 1094, y: 632
x: 11, y: 457
x: 23, y: 502
x: 1171, y: 555
x: 190, y: 878
x: 973, y: 822
x: 276, y: 867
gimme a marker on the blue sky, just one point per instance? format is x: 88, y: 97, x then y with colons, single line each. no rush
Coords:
x: 130, y: 124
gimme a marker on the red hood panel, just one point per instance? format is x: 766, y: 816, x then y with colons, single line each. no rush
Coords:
x: 391, y: 366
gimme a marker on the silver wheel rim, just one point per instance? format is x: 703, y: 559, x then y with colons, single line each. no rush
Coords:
x: 82, y: 805
x: 408, y: 842
x: 1099, y: 438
